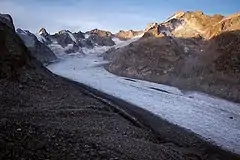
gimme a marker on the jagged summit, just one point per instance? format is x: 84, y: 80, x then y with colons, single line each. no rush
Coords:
x: 14, y: 55
x: 7, y: 19
x: 100, y: 33
x: 125, y: 35
x: 43, y: 32
x: 186, y: 24
x: 64, y: 31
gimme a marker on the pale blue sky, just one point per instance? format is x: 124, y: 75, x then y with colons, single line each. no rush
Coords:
x: 110, y: 15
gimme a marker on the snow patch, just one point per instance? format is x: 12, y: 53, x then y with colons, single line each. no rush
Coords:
x: 72, y: 37
x: 57, y: 49
x: 169, y: 19
x: 41, y: 32
x: 6, y: 17
x: 20, y: 31
x: 40, y: 38
x: 121, y: 44
x: 86, y: 36
x: 68, y: 47
x: 117, y: 41
x: 95, y: 50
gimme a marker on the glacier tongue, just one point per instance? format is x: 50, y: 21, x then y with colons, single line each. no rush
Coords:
x: 216, y: 120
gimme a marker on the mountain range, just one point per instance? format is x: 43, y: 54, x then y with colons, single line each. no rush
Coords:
x: 190, y: 50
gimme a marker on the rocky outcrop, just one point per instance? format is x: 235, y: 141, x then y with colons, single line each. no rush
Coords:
x: 38, y: 49
x: 63, y: 38
x: 14, y: 55
x: 100, y: 37
x: 230, y: 23
x: 153, y: 30
x: 43, y: 32
x: 125, y: 35
x: 79, y: 35
x: 101, y: 41
x: 185, y: 25
x: 67, y: 40
x: 7, y: 20
x: 190, y: 50
x: 100, y: 33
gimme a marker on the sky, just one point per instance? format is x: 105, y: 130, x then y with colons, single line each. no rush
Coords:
x: 111, y: 15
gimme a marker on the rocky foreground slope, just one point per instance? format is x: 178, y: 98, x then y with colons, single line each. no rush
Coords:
x: 190, y: 50
x: 43, y: 116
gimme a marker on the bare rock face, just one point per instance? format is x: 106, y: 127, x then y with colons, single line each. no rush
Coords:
x: 125, y: 35
x: 79, y: 35
x: 7, y: 19
x: 67, y: 40
x: 63, y: 38
x: 151, y: 26
x: 185, y: 25
x: 101, y: 41
x: 100, y: 33
x: 153, y: 30
x: 230, y: 23
x: 14, y: 55
x: 100, y: 37
x: 38, y: 49
x: 43, y: 32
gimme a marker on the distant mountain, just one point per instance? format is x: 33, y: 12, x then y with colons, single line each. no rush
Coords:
x: 125, y: 35
x: 100, y: 33
x: 68, y: 42
x: 190, y: 50
x: 38, y: 49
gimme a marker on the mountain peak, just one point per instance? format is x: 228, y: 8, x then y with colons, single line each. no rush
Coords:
x: 63, y: 31
x: 151, y: 25
x: 7, y: 19
x: 125, y: 35
x: 100, y: 33
x: 43, y: 31
x: 198, y: 12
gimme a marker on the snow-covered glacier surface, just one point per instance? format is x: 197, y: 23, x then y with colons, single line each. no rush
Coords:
x: 214, y: 119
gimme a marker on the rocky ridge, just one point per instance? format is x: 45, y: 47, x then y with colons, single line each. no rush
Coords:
x: 126, y: 35
x: 38, y: 49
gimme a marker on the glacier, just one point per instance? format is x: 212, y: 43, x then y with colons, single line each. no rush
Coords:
x: 214, y: 119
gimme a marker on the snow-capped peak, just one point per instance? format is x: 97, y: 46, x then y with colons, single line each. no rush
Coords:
x: 175, y: 16
x: 43, y: 31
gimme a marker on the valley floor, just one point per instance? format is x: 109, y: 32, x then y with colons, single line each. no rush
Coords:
x: 215, y: 120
